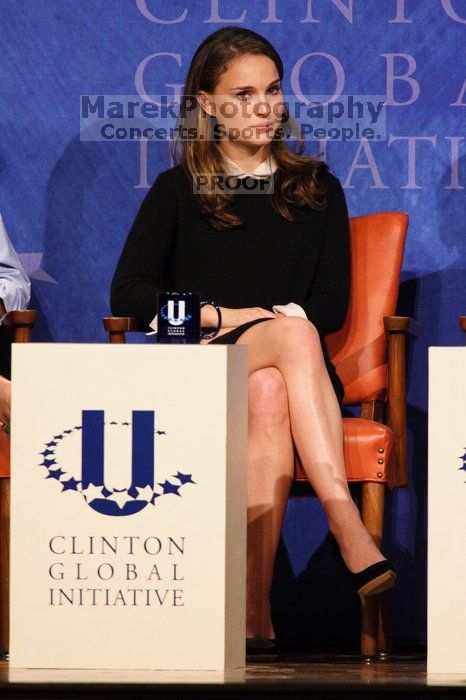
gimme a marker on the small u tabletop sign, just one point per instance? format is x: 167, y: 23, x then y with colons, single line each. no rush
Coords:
x: 128, y: 506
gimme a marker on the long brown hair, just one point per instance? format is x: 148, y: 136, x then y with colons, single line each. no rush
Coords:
x: 295, y: 179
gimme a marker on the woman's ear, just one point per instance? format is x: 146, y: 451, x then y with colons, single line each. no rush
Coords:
x: 206, y: 103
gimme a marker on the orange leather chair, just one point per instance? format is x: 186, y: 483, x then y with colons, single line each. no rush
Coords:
x: 22, y: 323
x: 369, y: 357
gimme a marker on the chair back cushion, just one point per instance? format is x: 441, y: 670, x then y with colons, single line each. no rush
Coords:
x: 359, y: 349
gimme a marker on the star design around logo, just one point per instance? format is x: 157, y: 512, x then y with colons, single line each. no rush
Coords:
x: 93, y: 491
x: 463, y: 458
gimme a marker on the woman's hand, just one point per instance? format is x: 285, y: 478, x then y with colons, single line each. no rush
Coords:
x: 231, y: 318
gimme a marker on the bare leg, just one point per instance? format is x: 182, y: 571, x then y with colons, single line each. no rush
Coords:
x: 292, y: 345
x: 270, y: 473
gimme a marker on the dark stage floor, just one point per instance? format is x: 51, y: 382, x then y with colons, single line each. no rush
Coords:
x: 293, y: 675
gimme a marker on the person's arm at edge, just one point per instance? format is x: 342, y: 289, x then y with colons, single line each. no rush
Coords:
x: 15, y: 285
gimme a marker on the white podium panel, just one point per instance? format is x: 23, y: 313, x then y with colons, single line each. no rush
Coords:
x: 446, y: 615
x: 128, y: 506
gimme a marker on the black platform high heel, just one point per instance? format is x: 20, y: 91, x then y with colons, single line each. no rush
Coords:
x: 261, y: 647
x: 375, y: 578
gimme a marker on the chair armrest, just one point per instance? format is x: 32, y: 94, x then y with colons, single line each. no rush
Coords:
x: 22, y: 322
x: 118, y: 326
x: 462, y: 322
x: 397, y: 328
x: 403, y: 324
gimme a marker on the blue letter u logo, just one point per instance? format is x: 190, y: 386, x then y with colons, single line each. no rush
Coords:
x: 142, y: 467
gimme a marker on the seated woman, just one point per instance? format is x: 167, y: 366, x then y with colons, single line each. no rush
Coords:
x: 268, y: 239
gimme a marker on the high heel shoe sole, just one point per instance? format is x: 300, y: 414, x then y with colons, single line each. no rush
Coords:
x: 377, y: 585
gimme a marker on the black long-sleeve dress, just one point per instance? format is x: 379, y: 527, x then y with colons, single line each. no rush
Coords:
x: 267, y: 260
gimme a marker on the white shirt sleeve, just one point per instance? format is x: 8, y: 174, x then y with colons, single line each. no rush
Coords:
x: 153, y: 324
x: 15, y: 285
x: 290, y: 309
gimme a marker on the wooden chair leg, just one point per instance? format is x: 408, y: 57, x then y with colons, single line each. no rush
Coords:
x: 369, y: 617
x: 4, y: 564
x: 384, y: 644
x: 372, y: 509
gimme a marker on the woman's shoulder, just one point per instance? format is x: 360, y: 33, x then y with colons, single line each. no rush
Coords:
x: 172, y: 180
x: 326, y: 177
x: 331, y: 183
x: 174, y: 172
x: 169, y: 184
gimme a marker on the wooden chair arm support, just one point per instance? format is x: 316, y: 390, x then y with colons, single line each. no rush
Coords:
x: 22, y: 322
x: 397, y: 327
x: 402, y: 324
x: 462, y: 322
x: 118, y: 326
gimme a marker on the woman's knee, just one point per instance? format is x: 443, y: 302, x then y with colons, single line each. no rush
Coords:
x: 268, y: 397
x: 295, y: 335
x: 296, y: 329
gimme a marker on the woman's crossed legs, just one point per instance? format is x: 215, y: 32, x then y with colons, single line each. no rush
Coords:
x: 291, y: 398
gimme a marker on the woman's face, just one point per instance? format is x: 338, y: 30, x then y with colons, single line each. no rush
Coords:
x: 247, y: 101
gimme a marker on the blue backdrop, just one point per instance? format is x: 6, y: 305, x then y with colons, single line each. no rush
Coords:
x: 68, y: 204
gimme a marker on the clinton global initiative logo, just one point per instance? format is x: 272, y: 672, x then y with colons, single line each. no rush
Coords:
x: 75, y: 458
x: 463, y: 457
